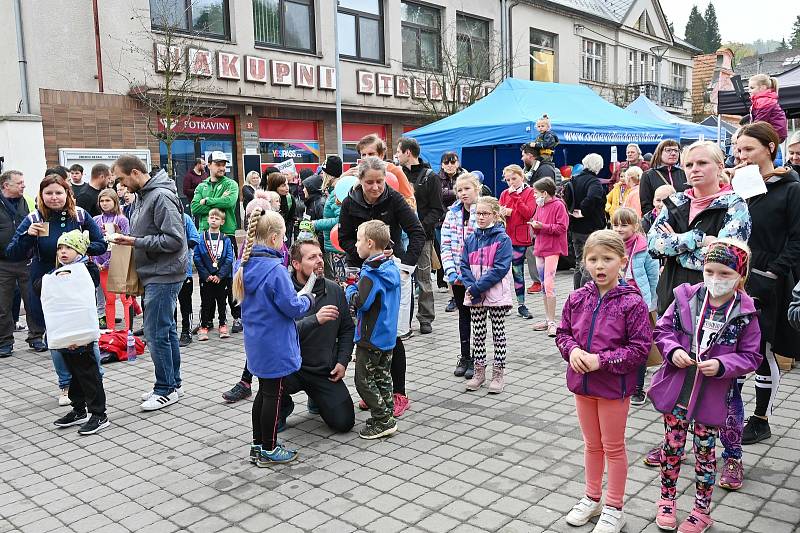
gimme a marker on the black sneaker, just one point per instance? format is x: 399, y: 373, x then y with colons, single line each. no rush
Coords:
x: 139, y: 332
x: 95, y: 424
x: 237, y: 326
x: 638, y: 397
x: 451, y: 306
x: 38, y: 346
x: 755, y: 430
x: 407, y: 335
x: 470, y: 369
x: 461, y: 368
x: 238, y: 392
x: 73, y: 418
x: 425, y: 328
x: 524, y: 313
x: 377, y: 430
x: 185, y: 340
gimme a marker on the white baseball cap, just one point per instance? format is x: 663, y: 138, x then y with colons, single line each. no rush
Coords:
x: 217, y: 156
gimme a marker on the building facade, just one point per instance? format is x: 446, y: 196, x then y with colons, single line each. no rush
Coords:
x: 261, y: 74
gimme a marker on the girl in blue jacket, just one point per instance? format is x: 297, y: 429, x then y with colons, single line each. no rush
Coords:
x: 642, y: 272
x: 269, y: 308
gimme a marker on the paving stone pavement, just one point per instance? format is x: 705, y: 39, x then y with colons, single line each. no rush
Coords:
x: 461, y: 461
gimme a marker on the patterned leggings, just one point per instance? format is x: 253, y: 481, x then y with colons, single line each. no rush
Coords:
x: 705, y: 469
x: 497, y: 315
x: 518, y: 271
x: 730, y: 434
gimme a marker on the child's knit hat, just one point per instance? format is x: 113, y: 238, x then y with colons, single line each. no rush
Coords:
x: 76, y: 239
x: 732, y: 253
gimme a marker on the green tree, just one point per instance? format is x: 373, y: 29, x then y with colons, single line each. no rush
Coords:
x: 713, y: 40
x: 794, y: 40
x: 696, y: 29
x: 783, y: 46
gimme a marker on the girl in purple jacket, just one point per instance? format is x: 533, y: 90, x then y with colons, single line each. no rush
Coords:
x: 709, y: 336
x: 605, y: 337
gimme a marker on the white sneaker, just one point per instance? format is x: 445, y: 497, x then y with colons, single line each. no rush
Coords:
x: 146, y: 395
x: 155, y: 402
x: 63, y: 399
x: 583, y: 511
x: 611, y: 521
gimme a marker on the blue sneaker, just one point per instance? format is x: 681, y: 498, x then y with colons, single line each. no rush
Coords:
x: 278, y: 455
x: 312, y: 407
x: 6, y: 351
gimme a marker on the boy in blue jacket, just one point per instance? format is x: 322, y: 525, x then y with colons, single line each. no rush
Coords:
x: 376, y: 299
x: 214, y: 261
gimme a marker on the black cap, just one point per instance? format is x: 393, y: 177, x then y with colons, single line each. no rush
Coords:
x: 333, y: 166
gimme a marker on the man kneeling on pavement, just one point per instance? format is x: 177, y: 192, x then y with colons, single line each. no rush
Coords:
x: 326, y: 344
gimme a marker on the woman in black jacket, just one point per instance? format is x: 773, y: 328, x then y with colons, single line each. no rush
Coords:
x: 775, y: 243
x: 664, y: 171
x: 371, y: 199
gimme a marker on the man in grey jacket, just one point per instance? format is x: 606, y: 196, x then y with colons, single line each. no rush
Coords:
x: 158, y: 237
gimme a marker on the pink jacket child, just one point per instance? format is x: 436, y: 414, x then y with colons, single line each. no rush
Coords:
x: 735, y: 346
x: 486, y: 268
x: 616, y: 328
x: 765, y: 107
x: 551, y: 238
x: 523, y: 205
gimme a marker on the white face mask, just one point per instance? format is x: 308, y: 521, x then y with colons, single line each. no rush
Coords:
x: 719, y: 287
x: 539, y: 201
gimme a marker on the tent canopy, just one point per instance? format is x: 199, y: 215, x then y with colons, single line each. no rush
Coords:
x: 648, y: 110
x: 508, y: 116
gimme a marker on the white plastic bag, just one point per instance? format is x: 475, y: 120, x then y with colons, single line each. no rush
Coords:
x: 69, y: 307
x: 404, y: 316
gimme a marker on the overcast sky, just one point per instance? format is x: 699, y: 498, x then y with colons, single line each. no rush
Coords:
x: 739, y: 20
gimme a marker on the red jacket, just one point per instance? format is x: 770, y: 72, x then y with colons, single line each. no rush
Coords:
x: 523, y: 205
x: 551, y: 238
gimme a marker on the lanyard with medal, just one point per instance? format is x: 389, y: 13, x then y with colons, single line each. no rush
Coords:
x: 713, y: 324
x: 213, y: 247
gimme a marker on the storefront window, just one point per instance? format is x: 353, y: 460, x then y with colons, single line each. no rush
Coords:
x: 281, y: 140
x: 201, y: 17
x: 284, y: 23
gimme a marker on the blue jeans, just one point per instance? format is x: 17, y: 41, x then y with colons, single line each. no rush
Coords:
x: 159, y: 303
x: 64, y: 375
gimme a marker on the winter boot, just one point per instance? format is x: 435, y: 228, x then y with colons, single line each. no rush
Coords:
x: 477, y: 379
x: 498, y: 381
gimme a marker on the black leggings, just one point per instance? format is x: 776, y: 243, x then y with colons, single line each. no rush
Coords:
x: 266, y: 412
x: 464, y: 321
x: 185, y: 301
x: 399, y: 368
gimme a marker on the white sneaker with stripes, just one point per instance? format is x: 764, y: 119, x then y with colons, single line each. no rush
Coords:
x: 156, y: 402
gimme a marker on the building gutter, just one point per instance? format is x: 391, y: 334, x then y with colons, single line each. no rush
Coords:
x: 510, y: 27
x: 24, y: 107
x: 97, y: 52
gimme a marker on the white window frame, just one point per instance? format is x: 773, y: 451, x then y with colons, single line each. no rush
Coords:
x: 679, y: 73
x: 593, y: 61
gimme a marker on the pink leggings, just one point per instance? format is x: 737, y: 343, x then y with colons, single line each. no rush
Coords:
x: 547, y: 267
x: 603, y: 426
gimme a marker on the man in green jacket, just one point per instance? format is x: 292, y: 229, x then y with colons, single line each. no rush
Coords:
x: 221, y: 192
x: 217, y: 191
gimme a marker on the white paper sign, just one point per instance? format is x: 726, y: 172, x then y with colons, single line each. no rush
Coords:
x: 747, y: 182
x: 287, y: 167
x: 613, y: 154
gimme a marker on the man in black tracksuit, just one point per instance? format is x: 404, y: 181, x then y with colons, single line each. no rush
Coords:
x: 428, y: 193
x: 326, y: 343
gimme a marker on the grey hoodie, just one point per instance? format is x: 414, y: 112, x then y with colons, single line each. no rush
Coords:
x: 157, y: 224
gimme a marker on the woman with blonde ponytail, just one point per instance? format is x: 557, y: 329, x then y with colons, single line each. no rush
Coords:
x: 269, y: 308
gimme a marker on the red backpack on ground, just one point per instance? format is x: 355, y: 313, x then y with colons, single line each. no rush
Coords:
x: 115, y: 343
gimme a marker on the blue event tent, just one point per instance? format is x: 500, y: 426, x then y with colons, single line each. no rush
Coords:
x: 648, y: 110
x: 508, y: 116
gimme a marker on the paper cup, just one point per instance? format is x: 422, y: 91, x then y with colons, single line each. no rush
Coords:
x: 110, y: 227
x: 45, y: 232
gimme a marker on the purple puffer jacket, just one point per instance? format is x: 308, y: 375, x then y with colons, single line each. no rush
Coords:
x: 616, y: 328
x: 736, y: 347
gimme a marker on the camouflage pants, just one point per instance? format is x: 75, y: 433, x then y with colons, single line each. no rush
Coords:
x: 374, y: 381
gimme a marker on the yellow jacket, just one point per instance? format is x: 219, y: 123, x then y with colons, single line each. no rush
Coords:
x: 616, y: 198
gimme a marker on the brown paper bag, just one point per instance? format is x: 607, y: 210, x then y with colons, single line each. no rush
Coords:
x: 654, y: 358
x: 436, y: 263
x: 122, y: 276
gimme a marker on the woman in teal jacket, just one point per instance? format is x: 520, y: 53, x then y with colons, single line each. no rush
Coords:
x: 334, y: 259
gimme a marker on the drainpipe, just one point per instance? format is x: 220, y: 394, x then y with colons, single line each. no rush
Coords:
x: 503, y: 39
x: 511, y: 38
x: 98, y: 55
x: 23, y: 63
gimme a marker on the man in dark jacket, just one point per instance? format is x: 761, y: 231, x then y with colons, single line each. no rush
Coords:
x: 100, y: 179
x: 326, y: 343
x: 194, y: 177
x: 158, y: 238
x: 664, y: 171
x: 13, y: 209
x: 535, y: 166
x: 428, y: 193
x: 586, y: 200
